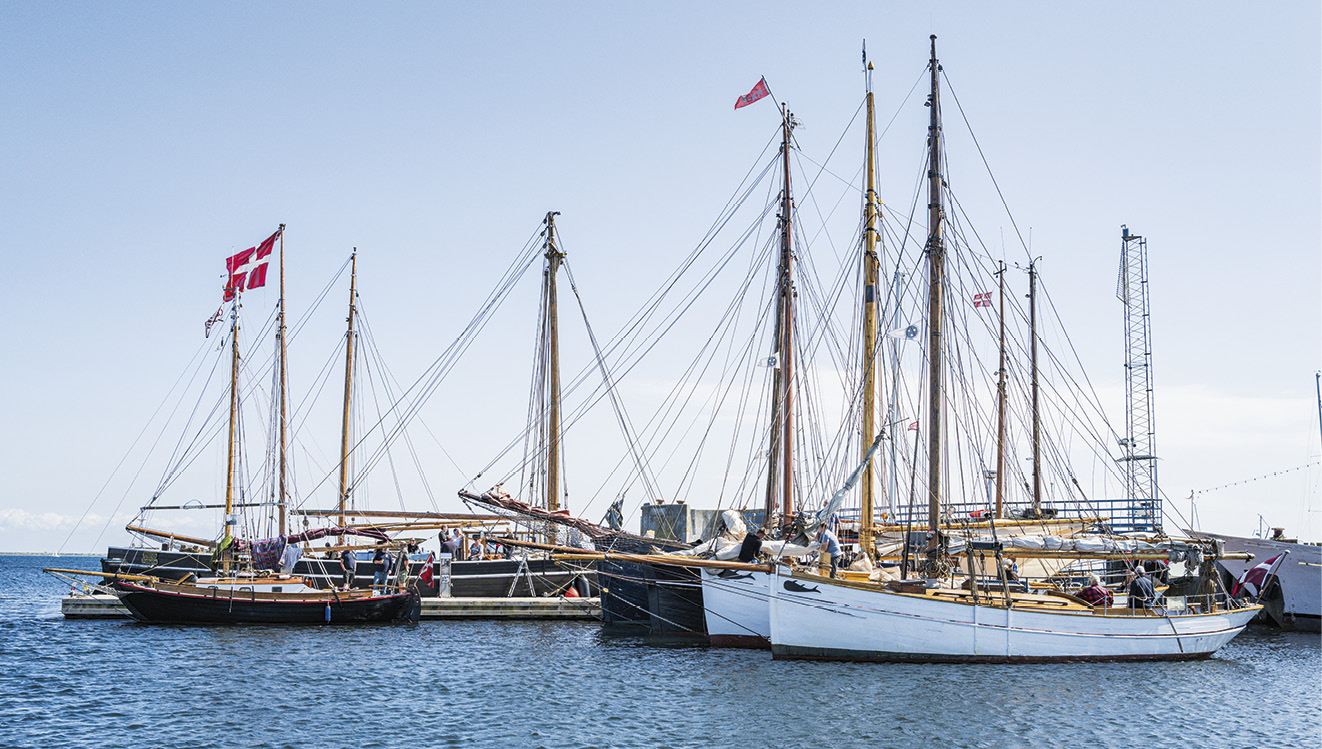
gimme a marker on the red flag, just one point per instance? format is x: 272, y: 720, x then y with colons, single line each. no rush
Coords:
x: 759, y: 91
x: 1251, y: 581
x: 247, y: 269
x: 982, y: 300
x: 428, y: 573
x: 913, y: 427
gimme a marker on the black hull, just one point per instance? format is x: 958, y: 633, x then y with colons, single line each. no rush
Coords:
x: 227, y: 607
x: 624, y: 598
x: 487, y: 578
x: 674, y: 601
x: 657, y: 599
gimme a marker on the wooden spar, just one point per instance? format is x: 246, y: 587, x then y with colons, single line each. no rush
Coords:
x: 553, y: 258
x: 88, y: 573
x: 234, y: 415
x: 935, y: 310
x: 402, y: 514
x: 1000, y: 409
x: 282, y: 502
x: 871, y: 273
x: 780, y: 455
x: 171, y: 536
x: 580, y: 555
x: 348, y: 388
x: 1037, y: 424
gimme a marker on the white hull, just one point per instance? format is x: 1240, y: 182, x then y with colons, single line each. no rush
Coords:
x: 1300, y: 576
x: 843, y: 621
x: 735, y: 604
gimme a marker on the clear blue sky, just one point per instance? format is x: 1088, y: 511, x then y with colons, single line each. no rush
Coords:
x: 145, y: 142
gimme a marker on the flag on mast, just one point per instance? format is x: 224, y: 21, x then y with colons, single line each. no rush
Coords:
x: 214, y: 319
x: 982, y: 300
x: 759, y: 91
x: 1254, y: 578
x: 247, y: 269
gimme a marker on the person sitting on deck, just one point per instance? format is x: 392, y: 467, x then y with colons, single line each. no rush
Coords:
x: 1011, y: 570
x: 752, y: 545
x: 1141, y: 592
x: 1095, y: 593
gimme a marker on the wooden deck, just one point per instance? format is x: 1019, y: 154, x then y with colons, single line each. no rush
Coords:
x: 108, y: 607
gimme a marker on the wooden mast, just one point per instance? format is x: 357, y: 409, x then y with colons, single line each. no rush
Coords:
x: 284, y: 392
x: 935, y: 312
x: 782, y: 410
x: 348, y: 388
x: 1000, y: 410
x: 871, y: 272
x: 553, y: 258
x: 234, y: 417
x: 1037, y: 424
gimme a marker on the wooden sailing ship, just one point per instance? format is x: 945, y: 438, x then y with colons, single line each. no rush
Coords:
x: 250, y: 593
x: 930, y: 619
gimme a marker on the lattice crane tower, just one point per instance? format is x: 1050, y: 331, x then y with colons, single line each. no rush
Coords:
x: 1139, y: 443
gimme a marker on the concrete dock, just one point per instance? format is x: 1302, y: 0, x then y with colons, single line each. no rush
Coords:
x: 100, y: 606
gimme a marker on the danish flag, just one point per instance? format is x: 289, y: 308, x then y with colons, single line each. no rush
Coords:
x: 247, y: 269
x: 982, y: 300
x: 1253, y: 579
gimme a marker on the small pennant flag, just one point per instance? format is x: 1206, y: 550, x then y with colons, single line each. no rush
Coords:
x: 982, y: 300
x: 247, y: 269
x: 214, y: 319
x: 913, y: 427
x: 908, y: 333
x: 759, y: 92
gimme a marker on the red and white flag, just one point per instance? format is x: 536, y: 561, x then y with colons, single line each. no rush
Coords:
x: 760, y: 91
x: 913, y: 427
x: 247, y: 269
x: 428, y: 573
x: 982, y: 300
x: 1252, y: 580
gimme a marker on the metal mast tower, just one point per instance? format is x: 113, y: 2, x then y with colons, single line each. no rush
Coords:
x: 1139, y: 442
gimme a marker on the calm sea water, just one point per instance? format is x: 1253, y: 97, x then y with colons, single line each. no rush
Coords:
x: 530, y: 684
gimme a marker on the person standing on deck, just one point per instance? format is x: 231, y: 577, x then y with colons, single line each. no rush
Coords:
x: 348, y: 563
x: 382, y: 572
x: 830, y: 545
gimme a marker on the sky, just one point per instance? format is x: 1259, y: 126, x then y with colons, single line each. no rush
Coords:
x: 146, y: 142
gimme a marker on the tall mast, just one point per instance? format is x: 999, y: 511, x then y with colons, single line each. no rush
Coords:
x: 871, y: 271
x: 935, y: 309
x: 553, y: 258
x: 1037, y: 424
x: 782, y: 410
x: 1000, y: 409
x: 284, y: 391
x: 348, y: 387
x: 234, y: 417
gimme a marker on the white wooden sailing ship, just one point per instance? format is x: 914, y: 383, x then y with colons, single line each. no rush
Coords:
x: 929, y: 619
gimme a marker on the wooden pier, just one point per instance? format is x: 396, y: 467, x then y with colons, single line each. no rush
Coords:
x: 100, y: 606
